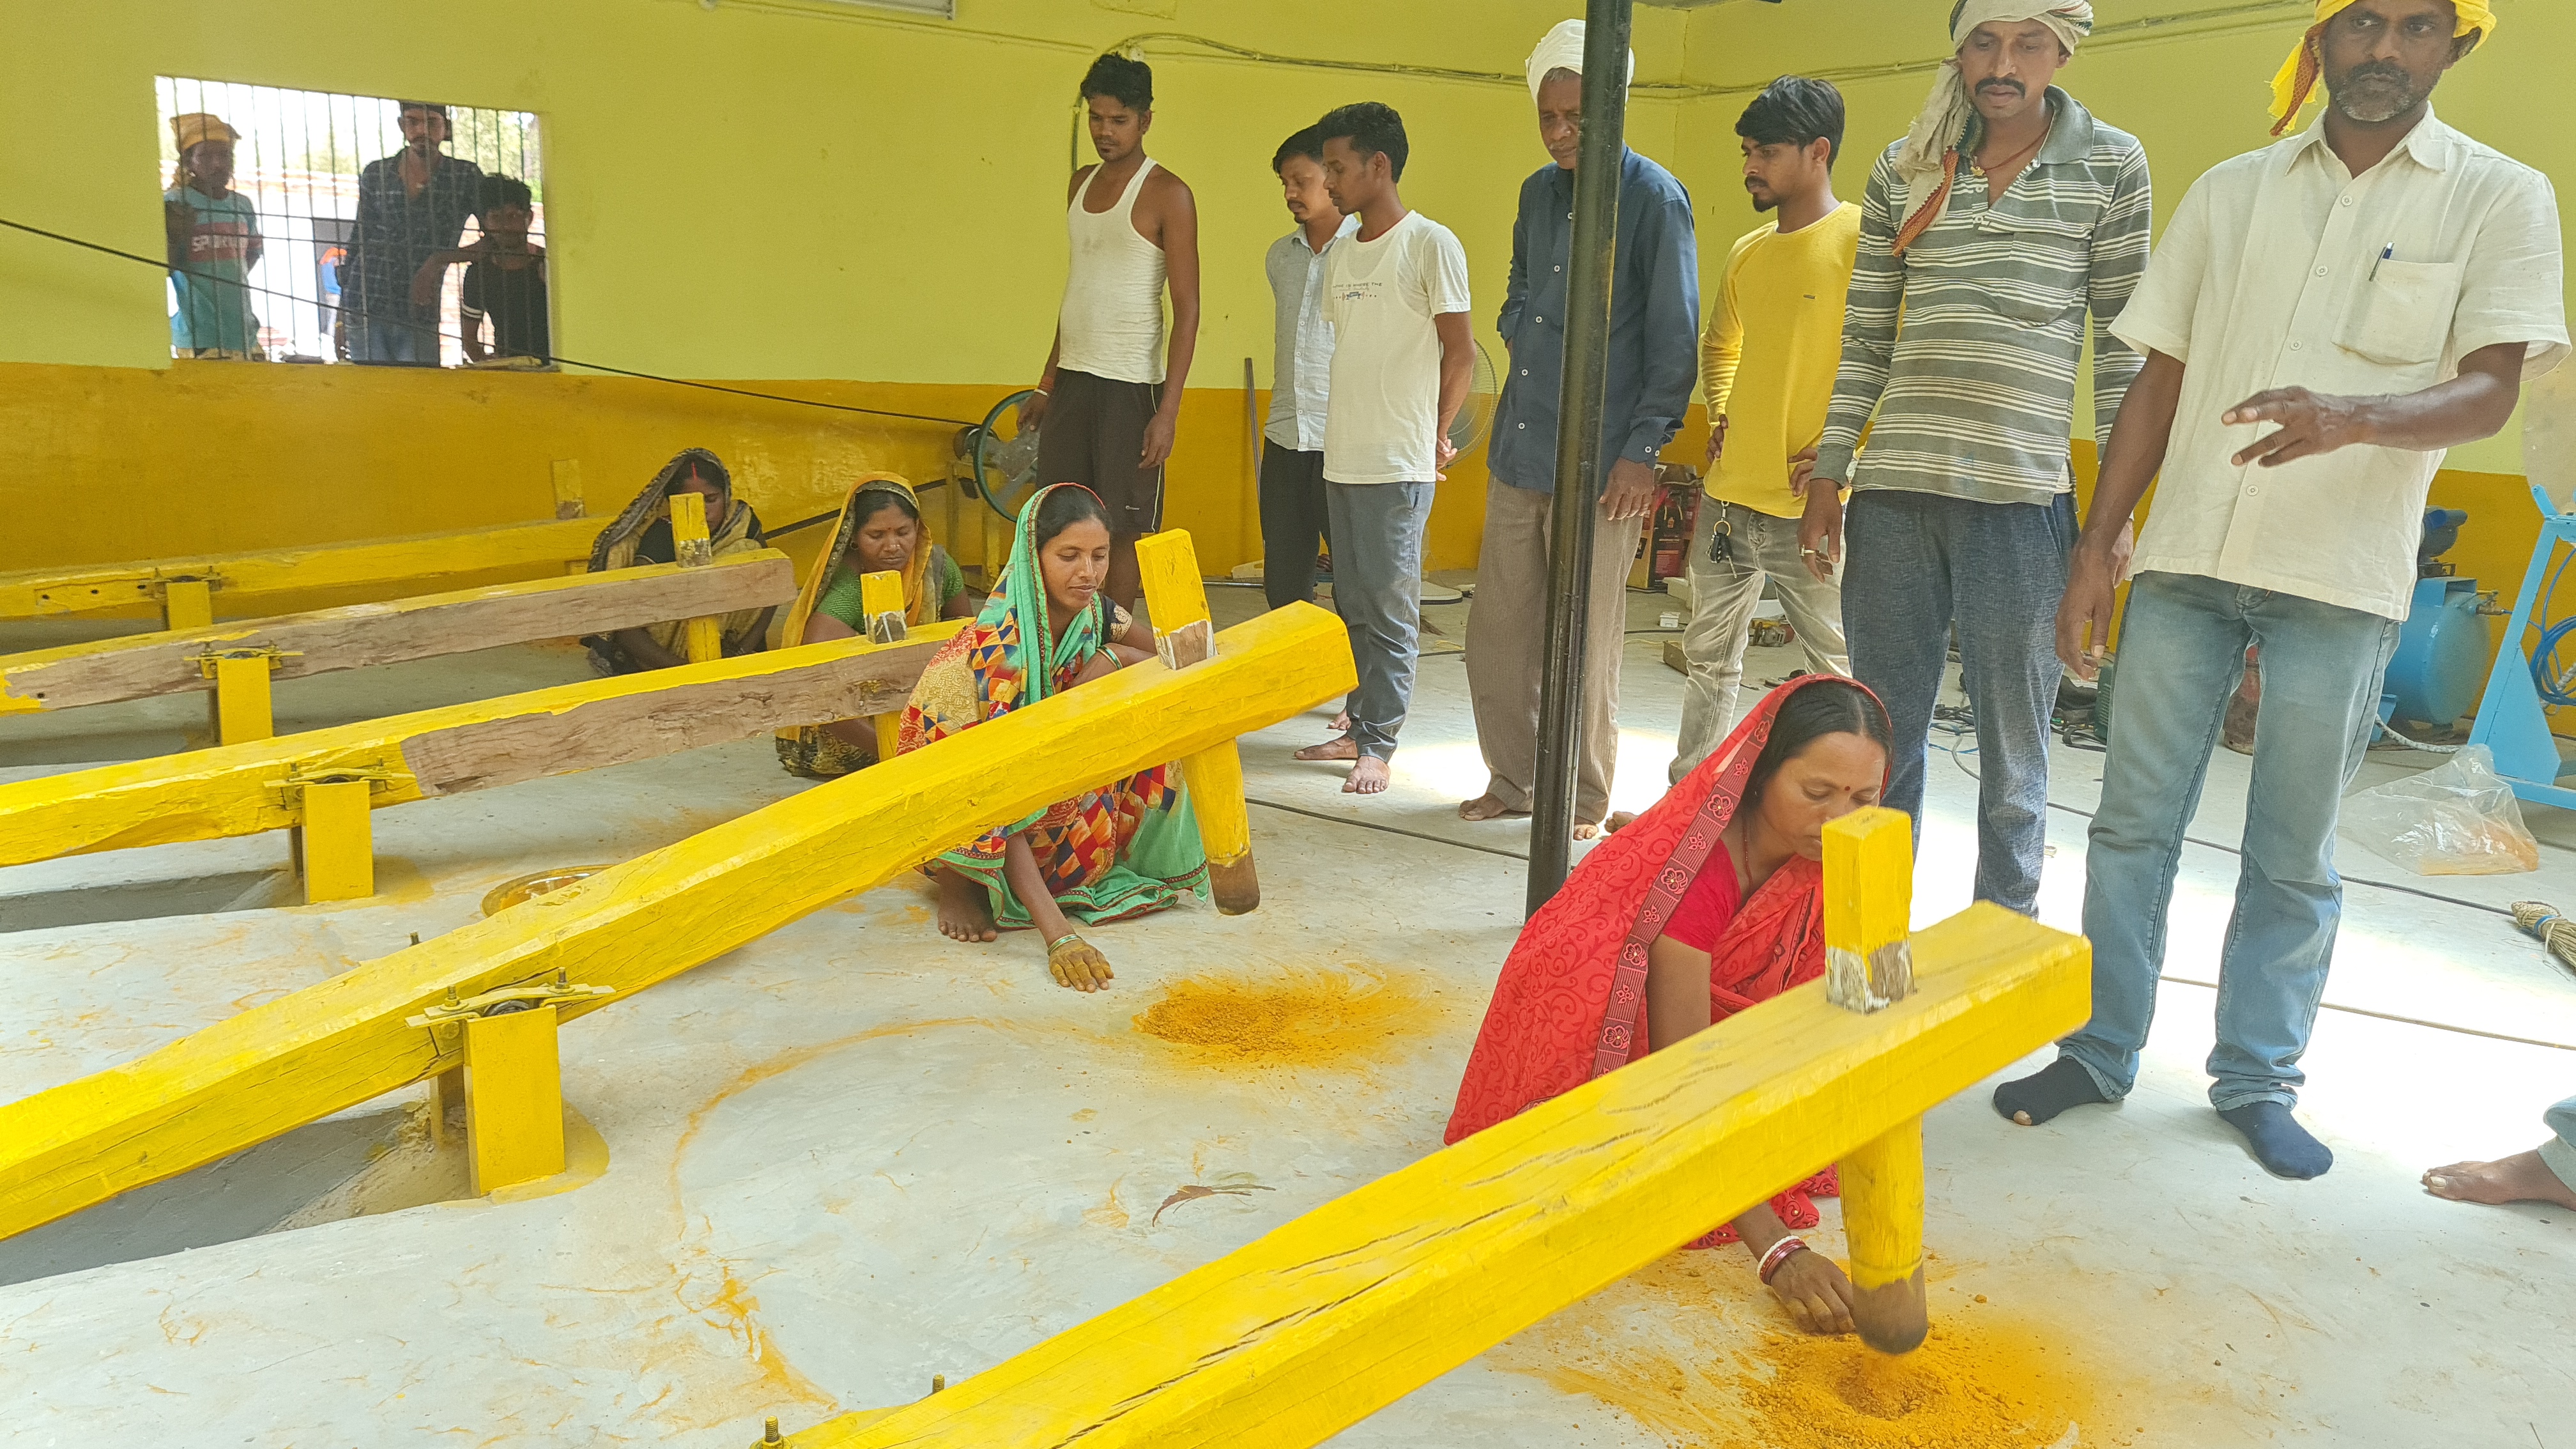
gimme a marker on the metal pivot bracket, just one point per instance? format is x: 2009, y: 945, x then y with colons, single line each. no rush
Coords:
x: 210, y: 659
x: 445, y: 1020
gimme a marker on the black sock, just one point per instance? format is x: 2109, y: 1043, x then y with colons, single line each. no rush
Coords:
x: 2036, y: 1098
x: 2283, y: 1146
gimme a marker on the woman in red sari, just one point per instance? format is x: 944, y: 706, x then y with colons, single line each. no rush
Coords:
x: 1694, y: 912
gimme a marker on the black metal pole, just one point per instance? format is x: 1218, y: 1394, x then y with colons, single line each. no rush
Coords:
x: 1578, y: 439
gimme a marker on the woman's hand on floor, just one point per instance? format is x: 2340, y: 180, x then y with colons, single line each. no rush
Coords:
x: 1079, y: 964
x: 1812, y: 1287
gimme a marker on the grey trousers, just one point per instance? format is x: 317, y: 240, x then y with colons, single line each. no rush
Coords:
x: 1913, y: 564
x: 1377, y: 589
x: 1723, y: 596
x: 2560, y: 1151
x: 1507, y: 647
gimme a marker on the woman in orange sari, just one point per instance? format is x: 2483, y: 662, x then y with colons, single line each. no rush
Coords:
x: 1696, y: 911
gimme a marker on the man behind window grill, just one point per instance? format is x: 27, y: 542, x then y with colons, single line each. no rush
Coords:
x: 411, y: 205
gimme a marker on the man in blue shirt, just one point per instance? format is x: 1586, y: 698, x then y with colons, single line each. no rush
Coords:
x: 1654, y: 318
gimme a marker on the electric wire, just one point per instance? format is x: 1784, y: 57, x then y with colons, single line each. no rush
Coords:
x: 162, y: 264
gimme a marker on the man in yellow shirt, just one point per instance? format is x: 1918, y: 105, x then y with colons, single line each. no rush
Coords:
x: 1774, y: 338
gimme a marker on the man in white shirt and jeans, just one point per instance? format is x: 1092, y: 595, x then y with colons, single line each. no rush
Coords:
x: 1395, y: 293
x: 1293, y: 516
x: 2322, y: 318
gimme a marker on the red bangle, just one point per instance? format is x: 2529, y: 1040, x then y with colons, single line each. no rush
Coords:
x: 1780, y: 1253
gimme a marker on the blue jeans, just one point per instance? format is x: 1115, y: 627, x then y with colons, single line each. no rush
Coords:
x: 2559, y: 1152
x: 2182, y: 653
x: 1914, y: 563
x: 1377, y: 589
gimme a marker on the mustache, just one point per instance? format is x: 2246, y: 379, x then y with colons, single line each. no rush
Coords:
x: 2378, y: 70
x: 2004, y: 83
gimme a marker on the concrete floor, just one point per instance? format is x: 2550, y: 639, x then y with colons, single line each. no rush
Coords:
x: 853, y: 1155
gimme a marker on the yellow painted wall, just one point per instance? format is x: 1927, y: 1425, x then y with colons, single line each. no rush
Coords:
x: 764, y: 189
x: 870, y: 206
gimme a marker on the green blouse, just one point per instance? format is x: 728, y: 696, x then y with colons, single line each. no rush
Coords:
x: 841, y: 596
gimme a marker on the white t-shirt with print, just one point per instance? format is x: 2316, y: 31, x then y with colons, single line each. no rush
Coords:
x: 1380, y: 296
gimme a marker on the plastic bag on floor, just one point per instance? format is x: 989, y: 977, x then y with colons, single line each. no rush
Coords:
x: 2458, y: 818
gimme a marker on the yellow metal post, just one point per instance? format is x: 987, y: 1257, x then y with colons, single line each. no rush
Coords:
x: 1869, y: 900
x: 241, y: 699
x: 335, y: 844
x: 187, y: 604
x: 1176, y: 600
x: 689, y: 546
x: 881, y: 602
x: 513, y: 1098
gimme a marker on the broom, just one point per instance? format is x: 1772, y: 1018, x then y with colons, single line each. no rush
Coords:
x: 2552, y: 929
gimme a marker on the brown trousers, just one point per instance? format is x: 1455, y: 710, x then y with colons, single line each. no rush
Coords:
x: 1507, y: 647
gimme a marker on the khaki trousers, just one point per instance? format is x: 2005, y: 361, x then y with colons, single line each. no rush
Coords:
x: 1507, y: 646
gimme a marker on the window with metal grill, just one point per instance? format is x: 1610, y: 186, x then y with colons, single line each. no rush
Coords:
x: 308, y: 226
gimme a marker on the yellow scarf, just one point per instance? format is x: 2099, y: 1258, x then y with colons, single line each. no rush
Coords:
x: 919, y: 606
x: 2297, y: 78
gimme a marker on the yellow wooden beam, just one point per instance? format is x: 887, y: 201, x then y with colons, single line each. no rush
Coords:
x: 138, y: 666
x: 703, y: 639
x: 345, y: 1041
x: 1176, y: 602
x: 245, y: 789
x: 1869, y: 967
x: 39, y: 593
x: 1326, y: 1319
x: 881, y: 606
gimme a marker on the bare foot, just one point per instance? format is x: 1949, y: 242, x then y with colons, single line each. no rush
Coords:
x: 1619, y: 820
x: 1587, y: 829
x: 1368, y: 777
x: 1341, y: 749
x: 2522, y: 1177
x: 1486, y: 807
x: 1342, y: 723
x: 965, y: 912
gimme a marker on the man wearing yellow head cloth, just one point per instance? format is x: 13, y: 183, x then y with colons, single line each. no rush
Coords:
x: 2323, y: 318
x: 214, y: 241
x: 2006, y: 218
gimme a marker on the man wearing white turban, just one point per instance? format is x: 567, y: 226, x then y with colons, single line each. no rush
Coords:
x: 1654, y: 359
x: 2005, y: 218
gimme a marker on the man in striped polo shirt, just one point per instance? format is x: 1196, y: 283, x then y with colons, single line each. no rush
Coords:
x: 2005, y: 216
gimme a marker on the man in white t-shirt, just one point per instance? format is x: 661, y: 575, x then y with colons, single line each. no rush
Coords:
x: 1396, y: 295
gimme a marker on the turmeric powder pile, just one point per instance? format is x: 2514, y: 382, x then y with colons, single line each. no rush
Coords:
x: 1691, y: 1349
x: 1309, y: 1016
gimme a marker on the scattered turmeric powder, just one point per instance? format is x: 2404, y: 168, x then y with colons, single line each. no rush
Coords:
x: 1309, y: 1016
x: 1692, y: 1350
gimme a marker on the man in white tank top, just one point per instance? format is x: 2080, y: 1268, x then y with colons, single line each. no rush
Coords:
x: 1107, y: 404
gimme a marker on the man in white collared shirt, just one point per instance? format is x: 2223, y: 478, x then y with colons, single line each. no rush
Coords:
x: 2322, y: 318
x: 1292, y: 454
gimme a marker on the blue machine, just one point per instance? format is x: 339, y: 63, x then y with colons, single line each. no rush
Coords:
x: 2511, y: 720
x: 2442, y: 651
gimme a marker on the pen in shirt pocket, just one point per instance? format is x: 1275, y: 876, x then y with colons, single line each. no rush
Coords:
x: 2385, y: 253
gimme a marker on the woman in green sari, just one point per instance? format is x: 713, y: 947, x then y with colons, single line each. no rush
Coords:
x: 880, y: 530
x: 1127, y: 849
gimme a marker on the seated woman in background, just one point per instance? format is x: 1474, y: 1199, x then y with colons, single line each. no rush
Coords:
x: 642, y: 535
x: 1126, y: 849
x: 880, y: 530
x: 1737, y: 921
